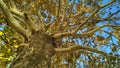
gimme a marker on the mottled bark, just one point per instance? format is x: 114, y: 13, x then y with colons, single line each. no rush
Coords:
x: 37, y: 54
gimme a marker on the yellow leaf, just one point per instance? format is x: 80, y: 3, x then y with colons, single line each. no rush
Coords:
x: 33, y: 5
x: 14, y: 41
x: 8, y: 39
x: 8, y: 59
x: 16, y: 46
x: 1, y: 33
x: 9, y: 49
x: 2, y: 54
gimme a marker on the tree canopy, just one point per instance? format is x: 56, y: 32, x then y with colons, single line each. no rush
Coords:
x: 79, y: 33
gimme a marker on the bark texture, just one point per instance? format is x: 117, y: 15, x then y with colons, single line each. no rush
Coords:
x: 37, y: 54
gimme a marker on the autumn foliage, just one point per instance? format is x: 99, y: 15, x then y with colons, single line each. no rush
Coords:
x: 59, y: 33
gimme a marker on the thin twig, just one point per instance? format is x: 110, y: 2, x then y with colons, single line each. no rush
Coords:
x: 85, y: 21
x: 64, y: 34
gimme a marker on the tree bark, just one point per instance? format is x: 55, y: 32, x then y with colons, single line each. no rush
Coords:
x: 37, y: 54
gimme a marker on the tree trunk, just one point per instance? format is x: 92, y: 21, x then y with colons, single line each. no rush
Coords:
x: 37, y: 54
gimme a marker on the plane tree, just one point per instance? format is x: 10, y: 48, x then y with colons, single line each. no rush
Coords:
x: 59, y: 33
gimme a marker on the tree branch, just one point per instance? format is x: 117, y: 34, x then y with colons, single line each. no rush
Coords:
x: 12, y: 4
x: 75, y: 47
x: 26, y: 17
x: 85, y: 21
x: 82, y: 24
x: 107, y: 4
x: 13, y: 23
x: 30, y: 22
x: 64, y: 34
x: 14, y: 11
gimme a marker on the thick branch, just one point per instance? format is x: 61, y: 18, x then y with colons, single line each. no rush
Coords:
x: 13, y: 23
x: 14, y: 11
x: 26, y: 17
x: 75, y: 47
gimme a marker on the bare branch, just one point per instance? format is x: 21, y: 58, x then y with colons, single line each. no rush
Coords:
x: 40, y: 20
x: 20, y: 14
x: 85, y: 21
x: 58, y: 10
x: 107, y: 4
x: 70, y: 14
x: 21, y: 21
x: 12, y: 4
x: 30, y: 22
x: 110, y: 17
x: 12, y: 21
x: 75, y: 47
x: 26, y: 17
x: 117, y: 27
x: 82, y: 24
x: 64, y: 34
x: 114, y: 14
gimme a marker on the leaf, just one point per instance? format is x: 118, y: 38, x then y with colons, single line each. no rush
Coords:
x: 14, y: 41
x: 2, y: 54
x: 9, y: 50
x: 1, y: 33
x: 33, y: 6
x: 16, y: 46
